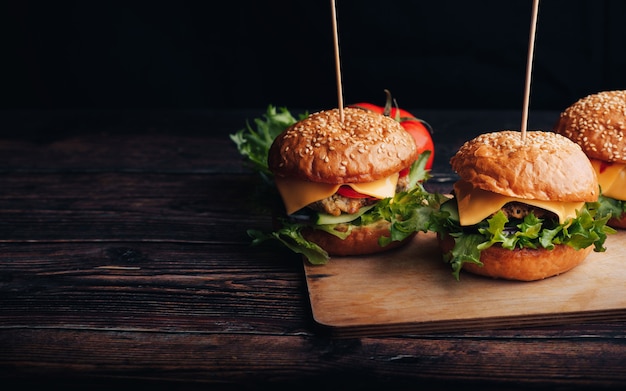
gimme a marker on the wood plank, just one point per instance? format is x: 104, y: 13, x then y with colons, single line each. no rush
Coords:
x: 113, y: 152
x: 150, y: 286
x: 179, y: 357
x: 128, y: 206
x: 411, y: 290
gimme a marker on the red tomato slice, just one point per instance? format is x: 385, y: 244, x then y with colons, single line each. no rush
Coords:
x: 604, y: 166
x: 349, y: 192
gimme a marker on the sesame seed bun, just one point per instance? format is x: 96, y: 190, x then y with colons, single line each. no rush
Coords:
x: 543, y: 167
x: 597, y: 123
x: 362, y: 240
x: 365, y: 147
x: 526, y: 264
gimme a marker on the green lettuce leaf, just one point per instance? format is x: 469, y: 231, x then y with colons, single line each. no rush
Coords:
x: 465, y: 251
x: 607, y: 205
x: 408, y: 211
x: 254, y: 143
x: 588, y: 228
x: 525, y: 237
x: 290, y: 236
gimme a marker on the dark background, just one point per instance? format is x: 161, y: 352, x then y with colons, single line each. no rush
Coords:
x: 248, y: 54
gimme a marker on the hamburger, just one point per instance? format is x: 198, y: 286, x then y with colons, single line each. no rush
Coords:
x: 521, y: 209
x: 349, y: 187
x: 597, y: 123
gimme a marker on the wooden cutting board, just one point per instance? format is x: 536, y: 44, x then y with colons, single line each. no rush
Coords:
x: 411, y: 290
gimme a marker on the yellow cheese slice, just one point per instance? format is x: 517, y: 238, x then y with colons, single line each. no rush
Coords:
x: 611, y: 178
x: 297, y: 194
x: 381, y: 188
x: 476, y: 205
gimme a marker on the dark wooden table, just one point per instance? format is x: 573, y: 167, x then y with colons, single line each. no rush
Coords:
x: 124, y: 263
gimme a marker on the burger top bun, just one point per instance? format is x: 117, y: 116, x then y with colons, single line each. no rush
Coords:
x: 547, y: 166
x: 365, y: 147
x: 598, y: 124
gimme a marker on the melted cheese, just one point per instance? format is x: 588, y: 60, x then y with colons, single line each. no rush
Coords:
x: 381, y: 188
x: 297, y: 194
x: 612, y: 179
x: 476, y: 205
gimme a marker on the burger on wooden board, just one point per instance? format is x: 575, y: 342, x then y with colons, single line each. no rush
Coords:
x: 597, y: 123
x: 523, y: 208
x: 350, y: 186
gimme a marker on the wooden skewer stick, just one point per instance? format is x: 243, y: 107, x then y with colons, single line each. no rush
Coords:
x: 337, y: 60
x: 529, y: 67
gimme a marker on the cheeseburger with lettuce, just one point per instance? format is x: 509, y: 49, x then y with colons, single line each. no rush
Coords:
x: 597, y: 123
x: 523, y: 208
x: 349, y: 185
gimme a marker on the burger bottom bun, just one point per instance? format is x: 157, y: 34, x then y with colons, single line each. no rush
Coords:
x: 361, y: 241
x: 525, y: 264
x: 618, y: 222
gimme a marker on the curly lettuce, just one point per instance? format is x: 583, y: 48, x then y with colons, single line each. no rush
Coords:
x: 254, y: 142
x: 588, y: 228
x: 289, y: 234
x: 408, y: 212
x: 611, y: 206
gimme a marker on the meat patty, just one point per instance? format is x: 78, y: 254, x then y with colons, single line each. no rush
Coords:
x: 337, y: 204
x: 518, y: 210
x: 403, y: 184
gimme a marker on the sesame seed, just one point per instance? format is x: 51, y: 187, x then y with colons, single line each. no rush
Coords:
x: 322, y: 134
x: 597, y: 118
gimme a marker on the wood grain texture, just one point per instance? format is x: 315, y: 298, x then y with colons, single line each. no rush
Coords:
x: 261, y: 358
x: 411, y: 290
x: 125, y: 263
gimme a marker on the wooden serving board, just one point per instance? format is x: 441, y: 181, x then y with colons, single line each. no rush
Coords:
x: 411, y: 290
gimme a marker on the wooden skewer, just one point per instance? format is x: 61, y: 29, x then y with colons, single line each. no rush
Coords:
x: 337, y: 60
x: 529, y: 66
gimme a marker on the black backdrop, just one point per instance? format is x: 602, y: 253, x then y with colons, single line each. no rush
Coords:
x: 248, y: 54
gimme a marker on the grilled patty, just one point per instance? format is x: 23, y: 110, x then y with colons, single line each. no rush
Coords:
x: 518, y: 210
x: 337, y: 204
